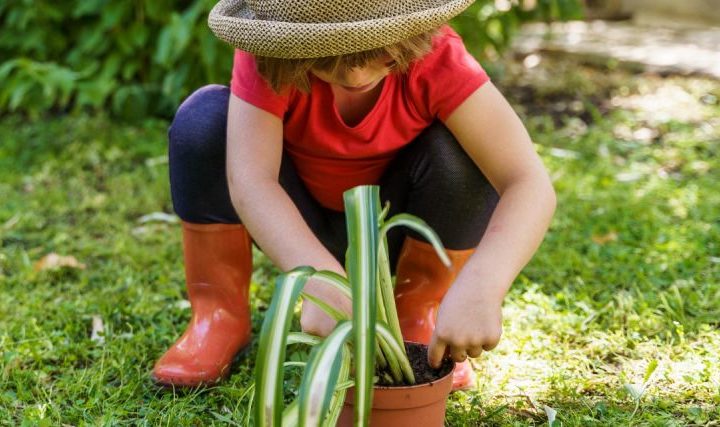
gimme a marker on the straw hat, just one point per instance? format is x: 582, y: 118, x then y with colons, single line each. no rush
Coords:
x: 317, y: 28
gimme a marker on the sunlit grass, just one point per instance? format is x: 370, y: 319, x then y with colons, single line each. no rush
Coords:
x: 629, y: 272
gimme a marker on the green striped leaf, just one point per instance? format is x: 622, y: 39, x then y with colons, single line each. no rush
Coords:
x: 337, y: 281
x: 338, y: 400
x: 292, y: 363
x: 269, y: 368
x: 303, y: 338
x: 321, y: 376
x: 384, y: 213
x: 397, y: 348
x: 362, y: 207
x: 291, y: 414
x: 420, y: 226
x: 331, y: 311
x: 387, y: 293
x: 391, y: 358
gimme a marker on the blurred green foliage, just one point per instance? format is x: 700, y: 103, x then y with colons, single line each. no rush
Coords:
x: 488, y: 26
x: 136, y: 57
x: 140, y: 58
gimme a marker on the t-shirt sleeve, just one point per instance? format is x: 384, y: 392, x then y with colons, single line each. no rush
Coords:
x: 445, y: 77
x: 248, y: 85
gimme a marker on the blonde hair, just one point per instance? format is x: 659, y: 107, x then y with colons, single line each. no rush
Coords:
x: 281, y: 72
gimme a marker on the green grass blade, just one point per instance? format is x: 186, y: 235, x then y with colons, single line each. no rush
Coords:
x: 362, y: 206
x: 321, y: 376
x: 269, y: 368
x: 420, y: 226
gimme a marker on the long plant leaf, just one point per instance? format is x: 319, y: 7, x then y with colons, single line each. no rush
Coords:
x: 303, y: 338
x: 269, y: 368
x: 291, y: 414
x: 331, y: 311
x: 292, y: 363
x: 321, y: 376
x: 384, y: 213
x: 391, y: 358
x: 362, y: 207
x: 387, y: 293
x: 397, y: 348
x: 337, y: 281
x: 420, y: 226
x: 338, y: 400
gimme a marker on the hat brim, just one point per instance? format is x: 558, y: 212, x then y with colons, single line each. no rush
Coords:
x: 313, y: 40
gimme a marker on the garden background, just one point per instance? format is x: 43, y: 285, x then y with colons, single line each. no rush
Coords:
x: 614, y: 321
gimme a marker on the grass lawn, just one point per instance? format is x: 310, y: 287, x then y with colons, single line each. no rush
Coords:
x: 627, y: 278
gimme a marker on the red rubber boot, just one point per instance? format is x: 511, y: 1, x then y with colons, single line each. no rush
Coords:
x: 218, y: 264
x: 421, y: 283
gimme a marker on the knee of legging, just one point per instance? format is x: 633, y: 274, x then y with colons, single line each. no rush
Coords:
x: 199, y: 125
x: 450, y: 170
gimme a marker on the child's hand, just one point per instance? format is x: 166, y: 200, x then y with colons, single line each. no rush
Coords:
x: 313, y: 319
x: 468, y: 322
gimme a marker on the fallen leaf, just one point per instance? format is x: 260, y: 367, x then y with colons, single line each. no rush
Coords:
x: 634, y: 390
x: 564, y: 154
x: 158, y: 217
x: 605, y: 238
x: 551, y: 414
x: 98, y: 330
x: 154, y: 161
x: 628, y: 176
x: 54, y: 261
x: 139, y: 231
x: 11, y: 222
x: 183, y: 304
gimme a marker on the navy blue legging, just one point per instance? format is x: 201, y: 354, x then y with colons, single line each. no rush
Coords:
x: 432, y: 177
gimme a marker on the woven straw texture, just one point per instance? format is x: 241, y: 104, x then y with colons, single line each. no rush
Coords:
x: 318, y: 28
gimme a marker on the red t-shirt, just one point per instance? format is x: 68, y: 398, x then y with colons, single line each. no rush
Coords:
x: 332, y: 157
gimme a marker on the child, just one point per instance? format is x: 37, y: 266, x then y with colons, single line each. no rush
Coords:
x: 326, y: 96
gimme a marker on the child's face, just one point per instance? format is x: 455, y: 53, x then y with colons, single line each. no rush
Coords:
x: 358, y: 79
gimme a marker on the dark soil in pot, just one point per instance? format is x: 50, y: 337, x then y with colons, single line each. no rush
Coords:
x: 420, y: 404
x: 424, y: 373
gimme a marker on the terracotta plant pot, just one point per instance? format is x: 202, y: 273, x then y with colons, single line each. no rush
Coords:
x: 405, y: 406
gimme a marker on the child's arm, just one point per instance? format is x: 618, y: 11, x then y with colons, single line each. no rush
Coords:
x: 470, y: 319
x: 254, y: 153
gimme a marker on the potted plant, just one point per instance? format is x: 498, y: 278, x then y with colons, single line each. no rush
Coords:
x: 360, y: 351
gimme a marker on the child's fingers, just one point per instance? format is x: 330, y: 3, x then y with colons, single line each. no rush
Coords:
x: 458, y: 354
x: 489, y: 346
x: 436, y: 351
x: 475, y: 351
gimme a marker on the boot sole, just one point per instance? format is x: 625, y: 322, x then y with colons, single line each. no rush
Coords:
x: 177, y: 386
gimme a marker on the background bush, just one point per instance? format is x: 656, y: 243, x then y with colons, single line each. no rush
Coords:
x: 142, y: 57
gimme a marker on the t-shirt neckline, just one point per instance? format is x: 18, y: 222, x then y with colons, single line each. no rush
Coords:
x: 368, y: 117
